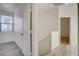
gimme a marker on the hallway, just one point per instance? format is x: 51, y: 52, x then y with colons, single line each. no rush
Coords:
x: 64, y: 50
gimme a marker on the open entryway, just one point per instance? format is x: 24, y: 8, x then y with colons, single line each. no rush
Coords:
x: 65, y: 30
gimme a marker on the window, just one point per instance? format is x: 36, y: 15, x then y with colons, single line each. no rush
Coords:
x: 6, y: 23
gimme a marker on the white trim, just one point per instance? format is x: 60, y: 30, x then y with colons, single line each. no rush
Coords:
x: 34, y: 29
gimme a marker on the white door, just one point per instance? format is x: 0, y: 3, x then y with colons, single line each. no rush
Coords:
x: 23, y: 37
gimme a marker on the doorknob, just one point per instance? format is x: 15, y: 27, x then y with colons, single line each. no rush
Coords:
x: 22, y: 34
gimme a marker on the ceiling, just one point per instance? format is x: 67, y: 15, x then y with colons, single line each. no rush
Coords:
x: 11, y: 7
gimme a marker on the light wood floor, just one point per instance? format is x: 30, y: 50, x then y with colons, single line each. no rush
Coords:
x: 64, y: 50
x: 10, y: 49
x: 65, y: 40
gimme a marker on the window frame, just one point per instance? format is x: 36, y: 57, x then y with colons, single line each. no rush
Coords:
x: 7, y: 23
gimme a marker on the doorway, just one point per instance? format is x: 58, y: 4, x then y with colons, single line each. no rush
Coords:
x: 65, y: 30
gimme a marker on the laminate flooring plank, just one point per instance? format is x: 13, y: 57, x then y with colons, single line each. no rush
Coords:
x: 10, y: 49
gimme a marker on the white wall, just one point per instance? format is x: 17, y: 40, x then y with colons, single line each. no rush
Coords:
x: 6, y: 37
x: 71, y: 11
x: 48, y: 20
x: 45, y: 20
